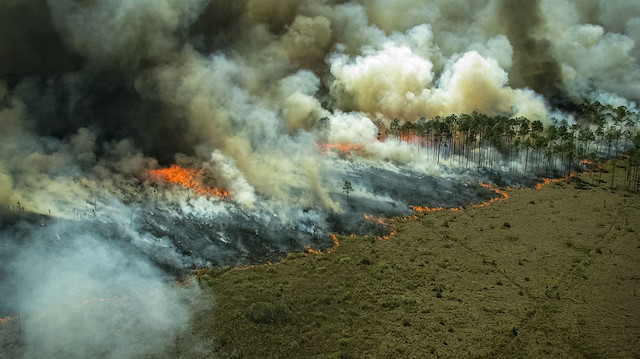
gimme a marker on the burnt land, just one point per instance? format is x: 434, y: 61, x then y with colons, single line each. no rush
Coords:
x: 547, y: 273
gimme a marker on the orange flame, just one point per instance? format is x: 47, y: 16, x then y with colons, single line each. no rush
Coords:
x: 547, y: 181
x: 427, y: 209
x: 335, y: 239
x: 393, y: 233
x: 188, y: 178
x: 502, y: 196
x: 313, y: 251
x: 378, y: 220
x: 592, y: 167
x: 342, y: 147
x: 336, y: 243
x: 5, y: 319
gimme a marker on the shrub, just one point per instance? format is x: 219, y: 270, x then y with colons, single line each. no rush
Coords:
x: 269, y: 313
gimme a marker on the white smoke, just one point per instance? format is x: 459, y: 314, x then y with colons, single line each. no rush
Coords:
x: 244, y: 89
x: 243, y: 192
x: 90, y: 299
x: 352, y: 128
x: 396, y: 83
x: 593, y: 59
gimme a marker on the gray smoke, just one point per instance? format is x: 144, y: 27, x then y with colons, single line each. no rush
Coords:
x: 79, y: 295
x: 534, y: 66
x: 95, y: 94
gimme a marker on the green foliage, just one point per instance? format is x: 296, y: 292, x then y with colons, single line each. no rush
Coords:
x: 347, y: 187
x: 491, y: 142
x: 269, y: 313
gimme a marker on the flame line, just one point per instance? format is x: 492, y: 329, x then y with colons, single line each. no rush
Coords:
x: 502, y: 195
x: 188, y: 178
x: 547, y: 181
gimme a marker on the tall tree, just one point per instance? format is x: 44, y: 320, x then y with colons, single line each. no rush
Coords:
x: 347, y: 188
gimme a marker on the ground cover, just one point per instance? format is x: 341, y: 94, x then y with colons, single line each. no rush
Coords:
x: 546, y: 273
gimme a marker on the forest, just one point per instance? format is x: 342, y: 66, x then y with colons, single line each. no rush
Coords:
x: 527, y: 147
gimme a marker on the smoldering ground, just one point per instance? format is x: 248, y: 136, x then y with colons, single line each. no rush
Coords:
x: 95, y: 94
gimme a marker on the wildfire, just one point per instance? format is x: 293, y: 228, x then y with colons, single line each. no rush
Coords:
x: 313, y: 251
x: 189, y: 178
x: 427, y: 209
x: 502, y: 196
x: 341, y: 147
x: 593, y: 167
x: 381, y: 221
x: 5, y: 319
x: 378, y: 220
x: 547, y: 181
x: 335, y: 239
x: 336, y: 243
x: 393, y: 233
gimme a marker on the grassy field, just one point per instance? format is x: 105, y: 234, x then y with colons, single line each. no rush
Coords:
x: 552, y: 273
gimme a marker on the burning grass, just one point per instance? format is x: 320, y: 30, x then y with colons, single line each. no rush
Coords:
x: 545, y: 261
x: 373, y: 298
x: 547, y: 181
x: 336, y: 243
x: 189, y: 178
x: 502, y: 195
x: 343, y: 148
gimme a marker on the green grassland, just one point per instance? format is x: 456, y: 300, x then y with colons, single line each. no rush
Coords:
x: 550, y: 273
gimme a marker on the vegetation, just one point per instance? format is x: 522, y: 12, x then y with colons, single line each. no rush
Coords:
x: 347, y: 188
x: 527, y: 277
x: 269, y: 313
x: 558, y: 281
x: 600, y: 132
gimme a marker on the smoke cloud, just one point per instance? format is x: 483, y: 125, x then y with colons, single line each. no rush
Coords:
x: 87, y: 297
x: 534, y: 66
x: 280, y: 103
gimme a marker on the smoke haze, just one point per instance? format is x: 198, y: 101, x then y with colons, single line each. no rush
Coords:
x: 96, y: 94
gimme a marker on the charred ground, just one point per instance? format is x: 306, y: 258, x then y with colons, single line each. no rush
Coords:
x: 547, y: 273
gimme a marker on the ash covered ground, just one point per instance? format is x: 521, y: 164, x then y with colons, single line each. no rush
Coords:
x: 119, y: 249
x: 179, y: 230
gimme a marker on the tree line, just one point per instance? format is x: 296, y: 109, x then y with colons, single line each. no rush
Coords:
x: 520, y: 145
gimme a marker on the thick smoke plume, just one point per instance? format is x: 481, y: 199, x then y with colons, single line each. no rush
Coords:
x: 84, y: 296
x: 280, y: 104
x: 534, y: 66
